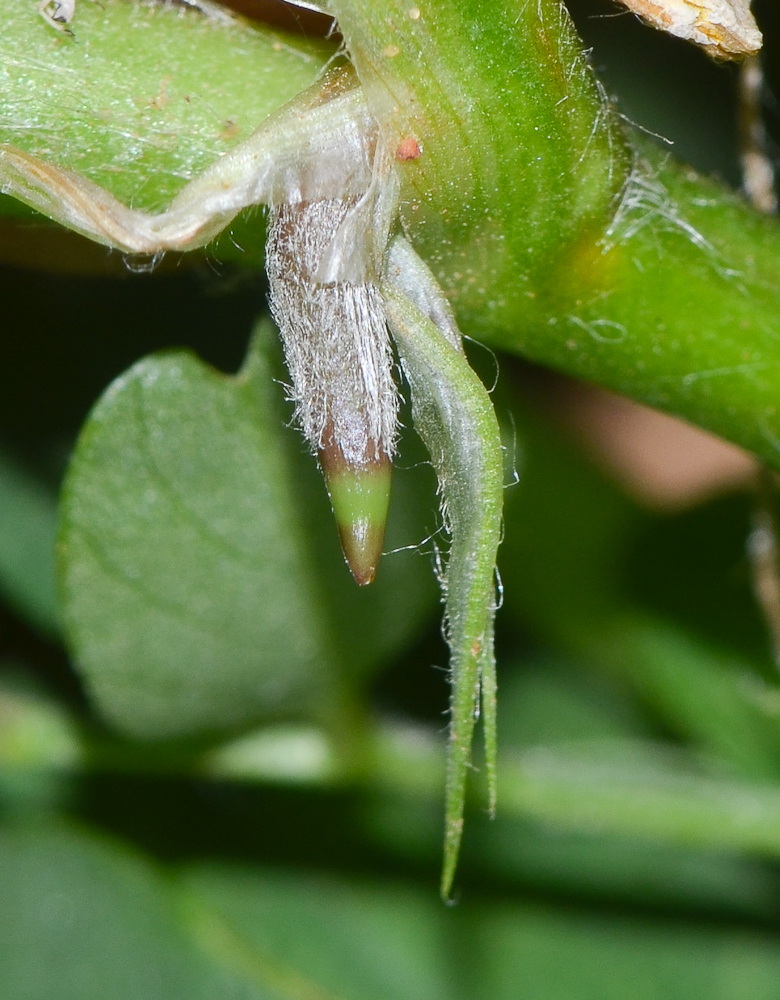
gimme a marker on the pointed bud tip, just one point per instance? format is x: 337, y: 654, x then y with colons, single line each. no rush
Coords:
x: 361, y: 543
x: 359, y: 496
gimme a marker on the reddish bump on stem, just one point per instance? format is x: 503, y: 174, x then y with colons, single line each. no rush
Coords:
x: 360, y: 496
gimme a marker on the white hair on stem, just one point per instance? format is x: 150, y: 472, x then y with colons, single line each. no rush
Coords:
x: 335, y: 336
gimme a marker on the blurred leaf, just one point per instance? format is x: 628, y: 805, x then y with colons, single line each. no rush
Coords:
x: 353, y: 940
x: 28, y: 524
x: 83, y: 919
x: 682, y: 564
x: 556, y: 955
x: 187, y: 594
x: 643, y: 789
x: 190, y: 597
x: 35, y: 730
x: 546, y: 700
x: 86, y: 920
x: 704, y: 693
x: 623, y: 870
x: 382, y: 940
x: 40, y: 746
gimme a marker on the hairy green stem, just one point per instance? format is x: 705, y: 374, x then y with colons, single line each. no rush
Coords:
x: 550, y: 236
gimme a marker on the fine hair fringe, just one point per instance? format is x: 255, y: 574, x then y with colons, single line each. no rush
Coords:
x: 335, y: 336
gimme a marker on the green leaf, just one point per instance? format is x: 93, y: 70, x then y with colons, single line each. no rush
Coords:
x: 190, y: 597
x: 322, y: 937
x: 708, y: 695
x: 454, y: 416
x: 598, y: 956
x: 145, y: 95
x: 643, y: 789
x: 624, y: 870
x: 85, y: 920
x: 187, y: 597
x: 565, y: 562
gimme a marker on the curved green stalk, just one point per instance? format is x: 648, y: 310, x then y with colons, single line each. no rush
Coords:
x: 520, y: 156
x: 518, y: 187
x: 549, y: 235
x: 455, y: 418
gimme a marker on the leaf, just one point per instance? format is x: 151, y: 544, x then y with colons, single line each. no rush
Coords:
x: 81, y: 919
x: 328, y: 937
x: 643, y: 789
x: 190, y: 599
x: 565, y: 561
x: 454, y: 417
x: 187, y: 610
x: 708, y: 695
x: 84, y: 919
x: 600, y: 956
x: 146, y: 95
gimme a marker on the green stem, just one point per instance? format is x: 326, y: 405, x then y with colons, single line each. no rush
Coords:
x: 549, y: 236
x: 641, y: 793
x: 520, y: 157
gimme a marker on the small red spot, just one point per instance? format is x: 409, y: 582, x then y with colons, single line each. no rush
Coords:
x: 408, y: 149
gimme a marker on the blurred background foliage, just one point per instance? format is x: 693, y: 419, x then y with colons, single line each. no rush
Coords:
x: 637, y: 848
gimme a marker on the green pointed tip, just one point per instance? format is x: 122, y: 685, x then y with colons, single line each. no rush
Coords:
x: 359, y: 496
x: 453, y: 834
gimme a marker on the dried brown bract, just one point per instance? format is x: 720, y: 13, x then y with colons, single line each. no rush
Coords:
x: 726, y: 29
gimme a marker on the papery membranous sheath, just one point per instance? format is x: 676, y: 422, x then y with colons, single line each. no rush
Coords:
x: 319, y: 145
x: 338, y: 354
x: 725, y: 29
